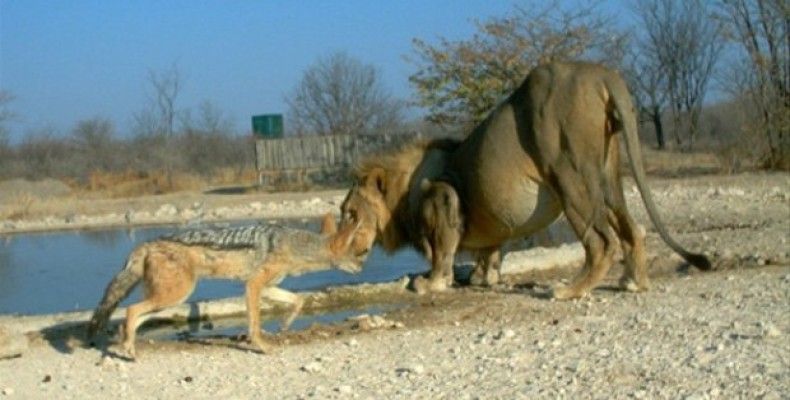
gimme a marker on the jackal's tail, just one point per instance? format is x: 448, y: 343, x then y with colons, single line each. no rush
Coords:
x: 120, y: 286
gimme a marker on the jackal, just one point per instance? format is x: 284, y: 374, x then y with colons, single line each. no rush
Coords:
x: 260, y: 255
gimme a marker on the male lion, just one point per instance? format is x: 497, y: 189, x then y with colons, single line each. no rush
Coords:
x: 551, y: 147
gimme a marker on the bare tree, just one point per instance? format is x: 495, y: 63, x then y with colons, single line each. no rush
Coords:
x: 207, y: 142
x: 95, y: 143
x: 761, y: 28
x: 461, y: 81
x: 686, y: 42
x: 340, y: 95
x: 648, y: 82
x: 166, y: 85
x: 6, y: 115
x: 155, y: 123
x: 45, y: 154
x: 158, y: 116
x: 209, y: 119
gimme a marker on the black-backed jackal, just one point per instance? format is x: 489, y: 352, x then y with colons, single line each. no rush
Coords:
x: 261, y: 255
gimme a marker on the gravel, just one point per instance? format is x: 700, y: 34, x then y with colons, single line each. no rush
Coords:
x: 715, y: 335
x: 722, y: 334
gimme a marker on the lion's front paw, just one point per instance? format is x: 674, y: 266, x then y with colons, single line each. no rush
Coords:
x: 483, y: 277
x: 567, y: 293
x: 423, y: 285
x: 492, y: 277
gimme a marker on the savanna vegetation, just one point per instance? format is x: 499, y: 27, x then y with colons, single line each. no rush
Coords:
x: 708, y: 76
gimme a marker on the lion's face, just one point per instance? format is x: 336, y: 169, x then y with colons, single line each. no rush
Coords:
x: 364, y: 206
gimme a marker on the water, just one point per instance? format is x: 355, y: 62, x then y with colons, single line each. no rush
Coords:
x: 58, y: 272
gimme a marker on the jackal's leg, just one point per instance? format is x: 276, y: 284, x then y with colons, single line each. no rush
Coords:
x: 283, y: 296
x: 253, y: 299
x: 169, y: 284
x: 135, y: 316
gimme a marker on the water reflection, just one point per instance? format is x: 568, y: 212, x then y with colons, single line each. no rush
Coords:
x: 68, y: 271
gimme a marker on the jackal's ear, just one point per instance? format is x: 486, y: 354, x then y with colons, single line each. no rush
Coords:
x: 328, y: 224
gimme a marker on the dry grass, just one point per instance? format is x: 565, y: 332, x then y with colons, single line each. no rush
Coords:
x: 234, y: 176
x: 19, y: 206
x: 669, y: 163
x: 134, y: 184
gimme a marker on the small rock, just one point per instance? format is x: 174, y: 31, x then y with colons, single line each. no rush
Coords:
x: 8, y: 391
x: 312, y: 367
x: 344, y: 389
x: 771, y: 331
x: 316, y: 391
x: 12, y: 344
x: 352, y: 343
x: 505, y: 334
x: 166, y: 210
x: 761, y: 261
x: 416, y: 369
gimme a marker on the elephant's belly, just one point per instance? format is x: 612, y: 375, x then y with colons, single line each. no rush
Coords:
x: 508, y: 210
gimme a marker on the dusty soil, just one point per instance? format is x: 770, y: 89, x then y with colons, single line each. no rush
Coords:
x: 721, y: 334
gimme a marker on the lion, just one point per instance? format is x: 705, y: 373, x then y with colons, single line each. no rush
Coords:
x: 551, y: 147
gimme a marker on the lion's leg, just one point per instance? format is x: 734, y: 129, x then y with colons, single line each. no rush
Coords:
x: 441, y: 275
x: 634, y: 277
x: 583, y: 203
x: 440, y: 250
x: 632, y: 240
x: 598, y: 259
x: 486, y: 271
x: 632, y: 236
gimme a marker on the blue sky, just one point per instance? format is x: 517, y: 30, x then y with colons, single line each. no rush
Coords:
x: 71, y: 60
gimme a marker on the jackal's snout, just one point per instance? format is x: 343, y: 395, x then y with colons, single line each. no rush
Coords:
x: 352, y: 263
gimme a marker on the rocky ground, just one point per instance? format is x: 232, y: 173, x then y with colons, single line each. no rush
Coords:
x: 722, y: 334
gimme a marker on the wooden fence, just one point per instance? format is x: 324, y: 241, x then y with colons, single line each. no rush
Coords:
x: 298, y: 156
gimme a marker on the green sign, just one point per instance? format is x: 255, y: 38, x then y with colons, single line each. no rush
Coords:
x: 268, y: 126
